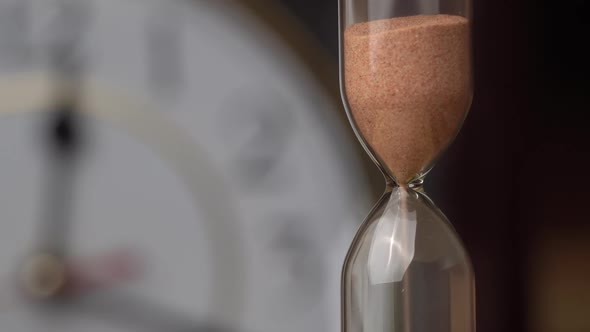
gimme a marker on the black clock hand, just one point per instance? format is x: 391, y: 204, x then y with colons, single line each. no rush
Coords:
x: 63, y: 132
x: 133, y: 310
x: 45, y: 272
x: 63, y: 145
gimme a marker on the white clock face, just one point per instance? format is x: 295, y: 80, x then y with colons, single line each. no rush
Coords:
x: 212, y: 171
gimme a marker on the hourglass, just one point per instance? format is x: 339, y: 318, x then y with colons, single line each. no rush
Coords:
x: 405, y: 71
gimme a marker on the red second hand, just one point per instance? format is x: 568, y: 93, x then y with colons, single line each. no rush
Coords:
x: 104, y: 271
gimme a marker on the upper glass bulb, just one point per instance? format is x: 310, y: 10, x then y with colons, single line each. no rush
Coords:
x: 406, y: 78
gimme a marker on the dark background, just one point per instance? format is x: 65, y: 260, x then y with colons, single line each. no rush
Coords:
x: 515, y: 183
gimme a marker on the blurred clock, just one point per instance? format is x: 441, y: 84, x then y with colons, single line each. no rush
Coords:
x: 198, y: 179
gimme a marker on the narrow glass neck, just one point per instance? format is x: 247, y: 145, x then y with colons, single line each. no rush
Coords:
x: 416, y: 185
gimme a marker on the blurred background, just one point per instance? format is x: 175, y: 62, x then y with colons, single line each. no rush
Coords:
x: 200, y: 174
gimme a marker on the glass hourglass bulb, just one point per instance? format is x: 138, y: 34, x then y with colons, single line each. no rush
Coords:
x: 406, y: 84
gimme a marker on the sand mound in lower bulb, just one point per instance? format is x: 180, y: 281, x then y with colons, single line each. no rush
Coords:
x: 407, y: 82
